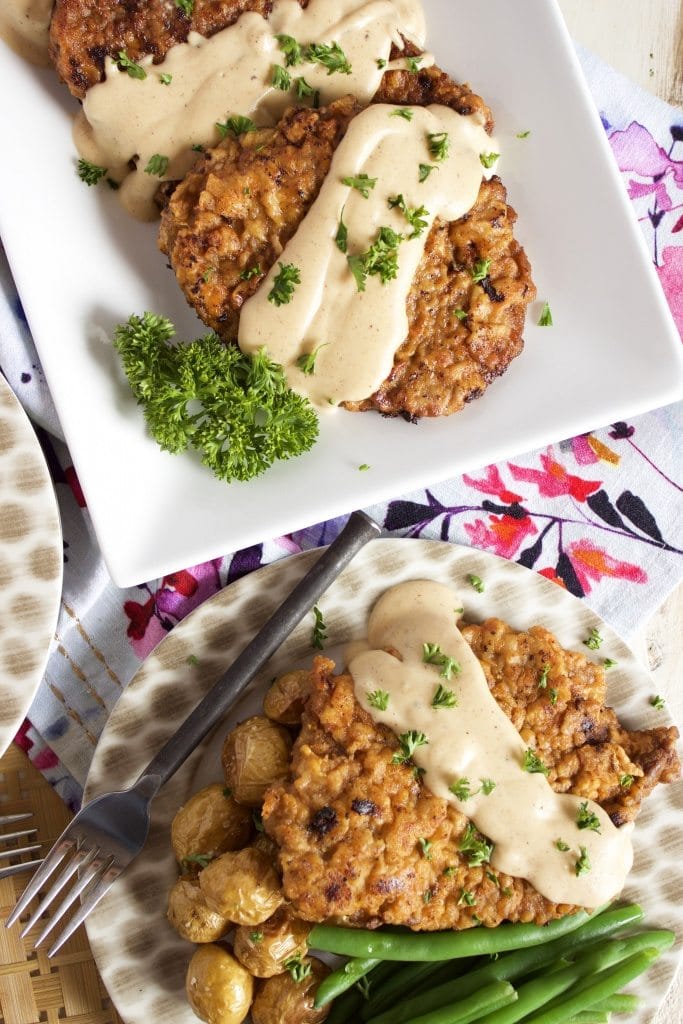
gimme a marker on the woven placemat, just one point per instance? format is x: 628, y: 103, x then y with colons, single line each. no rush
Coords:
x: 66, y: 989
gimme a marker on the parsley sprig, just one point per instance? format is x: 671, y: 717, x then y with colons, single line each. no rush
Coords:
x: 157, y: 165
x: 235, y: 126
x: 433, y: 655
x: 284, y: 283
x: 476, y: 849
x: 438, y: 144
x: 409, y: 742
x: 330, y: 56
x: 361, y: 182
x: 379, y: 699
x: 90, y: 173
x: 319, y: 635
x: 236, y: 410
x: 298, y: 970
x: 533, y: 764
x: 444, y: 698
x: 381, y: 259
x: 306, y: 362
x: 124, y: 63
x: 415, y: 215
x: 587, y: 819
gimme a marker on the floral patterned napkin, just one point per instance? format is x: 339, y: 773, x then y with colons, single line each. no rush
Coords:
x: 599, y: 514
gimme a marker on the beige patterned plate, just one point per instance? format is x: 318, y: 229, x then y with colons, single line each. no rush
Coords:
x: 31, y: 561
x: 141, y: 958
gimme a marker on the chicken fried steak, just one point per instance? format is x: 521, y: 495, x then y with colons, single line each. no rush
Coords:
x: 228, y: 221
x: 363, y: 841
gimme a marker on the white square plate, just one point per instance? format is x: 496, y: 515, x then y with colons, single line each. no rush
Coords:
x: 82, y: 266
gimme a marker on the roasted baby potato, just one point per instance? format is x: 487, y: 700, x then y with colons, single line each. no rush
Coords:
x: 210, y: 823
x: 264, y: 950
x: 242, y: 886
x: 284, y: 1000
x: 255, y: 754
x: 285, y: 699
x: 218, y: 988
x: 191, y: 916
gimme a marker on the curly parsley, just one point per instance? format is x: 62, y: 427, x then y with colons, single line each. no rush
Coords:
x: 235, y: 126
x: 415, y: 215
x: 124, y: 63
x: 379, y: 699
x: 476, y: 849
x: 319, y: 634
x: 157, y: 165
x: 439, y: 145
x: 409, y: 742
x: 381, y: 259
x: 287, y: 277
x: 90, y: 173
x: 533, y: 764
x: 361, y: 182
x: 587, y: 819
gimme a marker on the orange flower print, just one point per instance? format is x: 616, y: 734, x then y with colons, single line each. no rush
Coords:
x: 592, y: 563
x: 504, y: 535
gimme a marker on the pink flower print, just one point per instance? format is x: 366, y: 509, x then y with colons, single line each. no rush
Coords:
x: 492, y: 483
x: 554, y: 481
x: 671, y: 278
x: 592, y: 563
x: 638, y: 189
x: 504, y: 535
x: 588, y: 450
x: 181, y: 592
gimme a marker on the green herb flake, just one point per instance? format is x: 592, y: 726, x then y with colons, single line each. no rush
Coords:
x: 480, y: 270
x: 487, y: 786
x: 562, y: 846
x: 364, y: 467
x: 476, y: 849
x: 235, y: 126
x: 449, y: 871
x: 306, y: 362
x: 413, y: 64
x: 186, y: 6
x: 444, y: 698
x: 493, y: 878
x: 409, y: 742
x: 198, y: 148
x: 91, y: 174
x: 157, y: 165
x: 124, y: 63
x: 378, y: 699
x: 552, y: 696
x: 330, y: 56
x: 415, y: 215
x: 461, y: 314
x: 476, y: 582
x: 381, y: 259
x: 433, y: 655
x: 281, y: 78
x: 425, y: 847
x: 304, y: 90
x: 543, y: 677
x: 424, y: 170
x: 488, y: 159
x: 533, y: 764
x: 461, y: 788
x: 201, y: 859
x: 291, y: 49
x: 256, y: 937
x: 438, y: 144
x: 593, y: 640
x: 523, y: 135
x: 361, y: 182
x: 319, y: 634
x: 657, y: 702
x: 249, y: 272
x: 192, y: 659
x: 467, y: 898
x: 404, y: 112
x: 381, y: 63
x: 287, y: 277
x: 546, y: 317
x: 165, y: 78
x: 583, y: 864
x: 298, y: 970
x: 427, y: 896
x: 626, y: 781
x: 587, y: 819
x: 609, y: 663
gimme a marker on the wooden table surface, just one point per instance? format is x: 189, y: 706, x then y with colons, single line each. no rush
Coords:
x: 644, y: 40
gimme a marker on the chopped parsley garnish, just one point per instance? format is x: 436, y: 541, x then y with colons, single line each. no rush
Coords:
x: 476, y: 582
x: 444, y: 698
x: 381, y: 63
x: 480, y: 270
x: 303, y: 89
x: 487, y: 786
x: 90, y: 173
x: 533, y: 764
x: 427, y: 896
x: 297, y: 968
x: 523, y: 135
x: 364, y: 467
x: 415, y: 215
x: 439, y: 144
x: 609, y: 663
x: 404, y: 112
x: 425, y: 170
x: 488, y: 159
x: 165, y: 78
x: 379, y: 699
x: 461, y: 314
x: 626, y: 781
x: 467, y: 898
x: 157, y: 165
x: 306, y: 362
x: 330, y: 56
x: 341, y: 239
x: 546, y: 317
x: 287, y: 277
x: 201, y: 859
x: 552, y: 696
x: 409, y: 742
x: 461, y: 788
x: 236, y: 410
x: 319, y: 629
x: 192, y: 659
x: 425, y: 847
x: 433, y: 655
x: 381, y: 259
x: 449, y: 871
x: 281, y: 78
x: 249, y: 272
x: 186, y: 6
x: 543, y: 678
x: 561, y: 845
x: 593, y: 640
x: 587, y: 819
x: 583, y: 864
x: 413, y: 64
x: 236, y: 126
x: 256, y: 937
x: 477, y: 851
x: 361, y: 182
x: 208, y: 274
x: 198, y: 148
x: 291, y: 49
x: 124, y: 63
x: 493, y: 878
x: 657, y: 702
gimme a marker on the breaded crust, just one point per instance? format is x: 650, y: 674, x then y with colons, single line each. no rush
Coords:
x: 244, y: 199
x: 350, y: 825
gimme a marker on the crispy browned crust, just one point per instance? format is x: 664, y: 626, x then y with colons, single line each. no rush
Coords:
x: 349, y: 822
x: 83, y: 33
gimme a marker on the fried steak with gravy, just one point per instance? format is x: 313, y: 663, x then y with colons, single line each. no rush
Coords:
x: 351, y: 826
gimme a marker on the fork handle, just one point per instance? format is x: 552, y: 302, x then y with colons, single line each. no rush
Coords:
x: 357, y: 532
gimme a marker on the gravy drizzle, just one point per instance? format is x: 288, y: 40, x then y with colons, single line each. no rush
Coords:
x: 521, y: 815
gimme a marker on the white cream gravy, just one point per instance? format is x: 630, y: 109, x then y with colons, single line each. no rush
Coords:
x: 125, y: 118
x: 357, y: 333
x: 522, y: 816
x: 24, y: 26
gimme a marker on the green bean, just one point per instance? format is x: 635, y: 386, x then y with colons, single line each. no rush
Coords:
x: 600, y: 987
x: 411, y: 979
x: 620, y: 1002
x: 390, y: 944
x: 507, y: 967
x: 342, y: 979
x: 470, y: 1009
x: 589, y: 1017
x: 345, y: 1008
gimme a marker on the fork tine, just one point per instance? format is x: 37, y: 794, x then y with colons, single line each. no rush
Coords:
x: 9, y: 819
x: 53, y: 859
x: 4, y: 854
x: 82, y: 858
x: 18, y: 869
x: 111, y: 873
x: 89, y: 879
x: 4, y: 836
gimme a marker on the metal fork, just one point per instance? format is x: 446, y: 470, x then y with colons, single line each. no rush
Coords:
x: 111, y: 830
x: 7, y: 870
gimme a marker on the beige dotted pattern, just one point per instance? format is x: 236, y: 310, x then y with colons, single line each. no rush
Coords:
x: 30, y: 564
x: 141, y: 958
